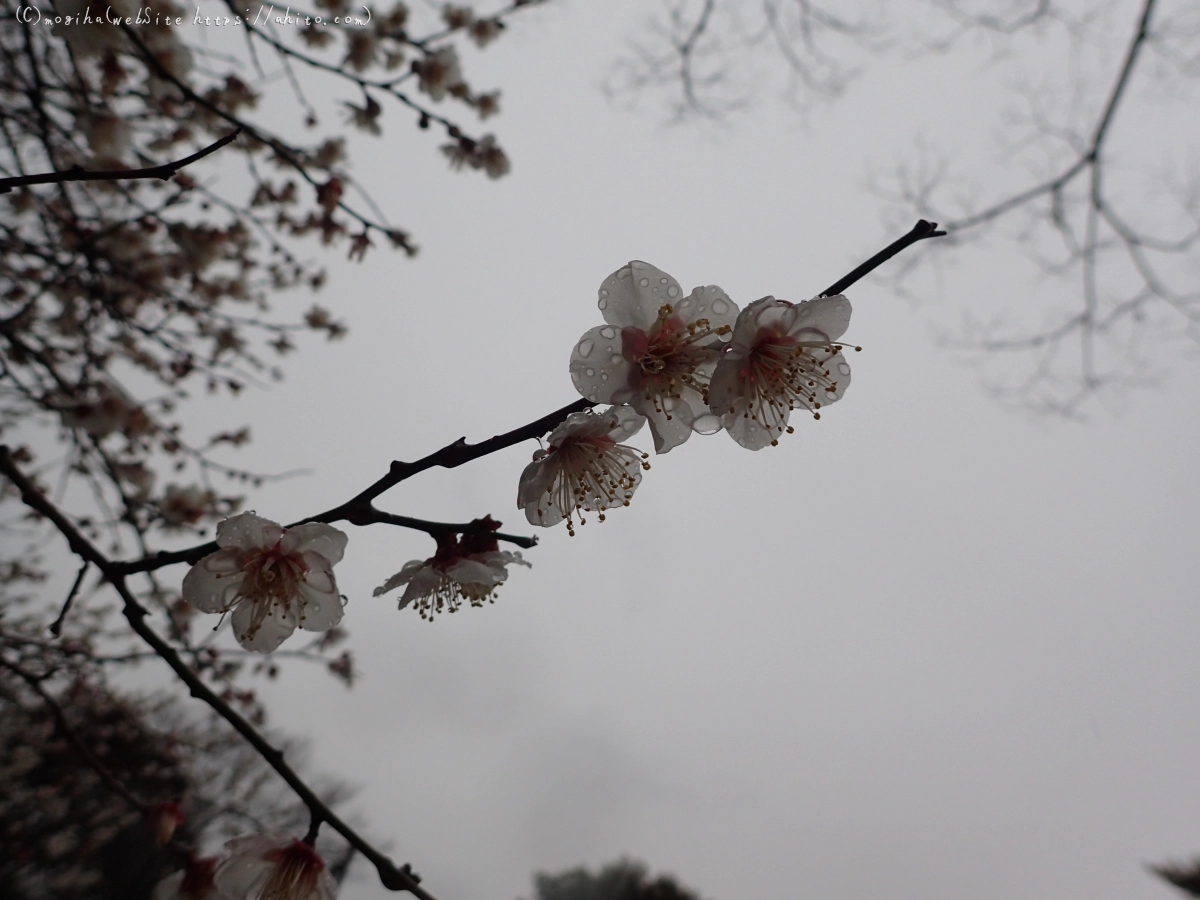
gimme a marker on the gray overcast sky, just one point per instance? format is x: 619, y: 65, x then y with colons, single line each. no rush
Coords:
x: 926, y: 648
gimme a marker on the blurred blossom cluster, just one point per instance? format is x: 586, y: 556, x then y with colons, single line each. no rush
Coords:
x: 121, y: 299
x: 67, y: 835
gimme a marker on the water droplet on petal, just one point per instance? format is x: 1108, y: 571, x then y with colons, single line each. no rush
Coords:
x: 664, y: 280
x: 616, y: 357
x: 841, y: 307
x: 832, y: 395
x: 706, y: 424
x: 585, y: 347
x: 720, y: 307
x: 645, y: 282
x: 604, y: 376
x: 603, y: 304
x: 591, y: 373
x: 843, y: 368
x: 575, y: 377
x: 673, y: 290
x: 608, y: 332
x: 668, y: 404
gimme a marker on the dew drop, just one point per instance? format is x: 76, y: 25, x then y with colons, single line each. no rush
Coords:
x: 673, y: 290
x: 604, y: 376
x: 832, y: 395
x: 841, y: 307
x: 706, y: 424
x: 664, y: 280
x: 616, y: 358
x: 585, y: 347
x: 720, y: 307
x: 668, y: 404
x: 575, y: 377
x: 645, y: 282
x: 608, y: 332
x: 844, y: 368
x: 591, y: 373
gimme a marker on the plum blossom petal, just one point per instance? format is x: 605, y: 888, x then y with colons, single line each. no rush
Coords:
x: 262, y: 627
x: 273, y: 867
x: 248, y: 531
x: 782, y: 357
x: 632, y: 296
x: 318, y: 537
x: 215, y: 582
x: 469, y: 570
x: 656, y: 351
x: 583, y: 468
x: 404, y: 576
x: 273, y: 580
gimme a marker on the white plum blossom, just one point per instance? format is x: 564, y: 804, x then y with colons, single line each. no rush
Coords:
x: 783, y: 356
x: 273, y: 867
x: 656, y: 351
x: 438, y: 72
x: 584, y: 467
x: 468, y: 570
x: 273, y: 579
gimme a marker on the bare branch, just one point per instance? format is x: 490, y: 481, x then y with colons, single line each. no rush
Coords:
x: 393, y: 878
x: 77, y: 173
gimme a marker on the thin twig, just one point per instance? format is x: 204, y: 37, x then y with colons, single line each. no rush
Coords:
x: 920, y: 232
x: 78, y: 173
x: 57, y: 624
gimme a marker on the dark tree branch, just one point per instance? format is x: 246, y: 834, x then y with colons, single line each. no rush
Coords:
x: 393, y: 878
x: 77, y: 173
x: 359, y: 511
x: 436, y: 528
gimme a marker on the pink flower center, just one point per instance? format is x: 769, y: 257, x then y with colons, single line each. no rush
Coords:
x: 666, y: 358
x: 272, y: 574
x: 297, y: 868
